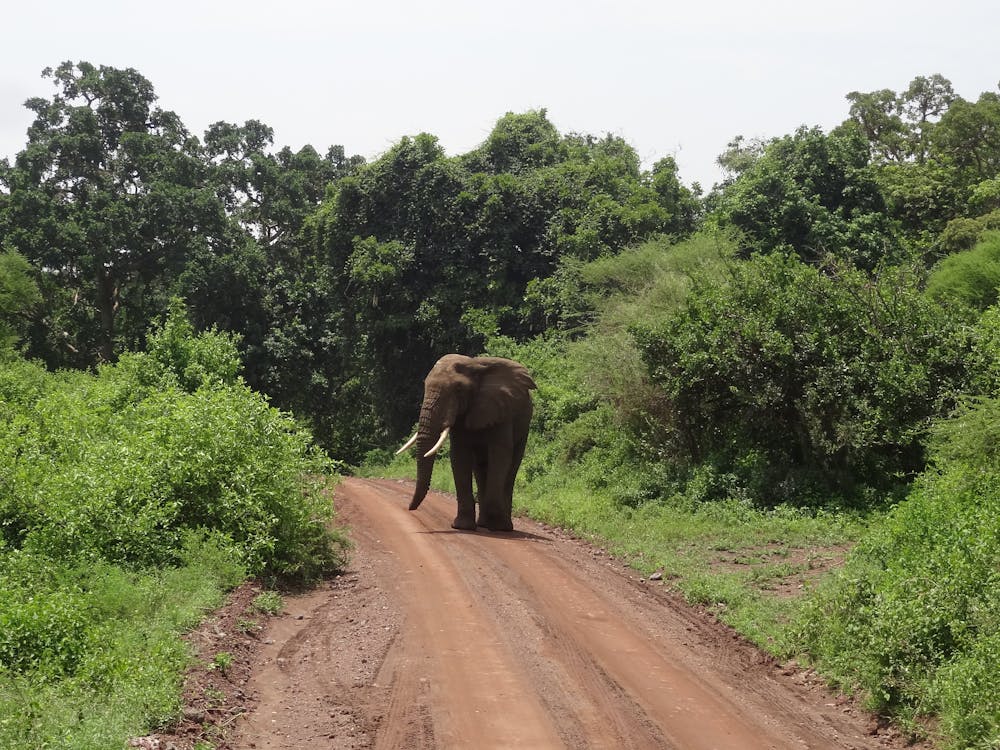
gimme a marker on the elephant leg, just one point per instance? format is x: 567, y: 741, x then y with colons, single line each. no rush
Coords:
x: 491, y: 507
x: 461, y: 468
x: 507, y: 503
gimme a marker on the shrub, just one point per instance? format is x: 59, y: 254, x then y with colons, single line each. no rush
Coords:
x: 176, y: 357
x: 986, y: 353
x: 120, y: 466
x: 797, y: 373
x: 43, y: 632
x: 912, y: 619
x: 129, y: 501
x: 963, y: 233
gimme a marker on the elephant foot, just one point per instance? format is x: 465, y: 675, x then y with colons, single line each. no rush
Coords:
x: 464, y: 524
x: 495, y: 524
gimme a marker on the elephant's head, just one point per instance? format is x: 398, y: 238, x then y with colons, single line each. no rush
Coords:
x: 475, y: 392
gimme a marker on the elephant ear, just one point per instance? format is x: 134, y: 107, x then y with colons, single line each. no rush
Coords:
x: 503, y: 387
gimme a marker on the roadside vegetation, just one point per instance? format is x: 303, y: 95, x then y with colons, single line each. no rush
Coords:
x: 778, y: 396
x: 131, y: 500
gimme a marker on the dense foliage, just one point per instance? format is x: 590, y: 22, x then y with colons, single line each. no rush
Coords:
x: 339, y: 310
x: 911, y: 620
x: 122, y: 465
x: 18, y: 296
x: 423, y: 253
x: 786, y: 371
x: 814, y: 195
x: 971, y: 276
x: 129, y: 501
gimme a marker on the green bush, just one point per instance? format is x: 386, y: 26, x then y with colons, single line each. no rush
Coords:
x: 176, y: 357
x: 268, y: 602
x: 789, y: 376
x: 119, y: 466
x: 963, y: 233
x: 130, y: 500
x: 91, y: 653
x: 912, y: 620
x: 43, y: 632
x: 964, y: 691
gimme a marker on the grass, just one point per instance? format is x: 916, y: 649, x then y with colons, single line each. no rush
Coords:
x: 269, y: 602
x: 127, y: 652
x: 748, y: 566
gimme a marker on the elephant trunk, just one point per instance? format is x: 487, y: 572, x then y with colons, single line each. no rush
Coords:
x: 429, y: 431
x: 425, y: 467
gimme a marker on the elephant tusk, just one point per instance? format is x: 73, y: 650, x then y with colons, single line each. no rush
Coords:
x: 438, y: 444
x: 409, y: 442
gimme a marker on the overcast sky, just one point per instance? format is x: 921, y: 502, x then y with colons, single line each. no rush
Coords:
x: 678, y: 81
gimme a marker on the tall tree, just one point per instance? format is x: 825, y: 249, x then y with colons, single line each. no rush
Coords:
x: 968, y: 136
x: 812, y: 194
x: 270, y: 194
x: 936, y: 156
x: 254, y: 282
x: 427, y: 253
x: 924, y: 102
x: 877, y: 115
x: 107, y: 199
x: 898, y: 127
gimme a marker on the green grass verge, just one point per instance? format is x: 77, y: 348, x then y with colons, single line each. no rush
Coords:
x: 101, y: 653
x: 912, y: 621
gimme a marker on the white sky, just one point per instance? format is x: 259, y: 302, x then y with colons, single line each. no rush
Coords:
x: 671, y: 79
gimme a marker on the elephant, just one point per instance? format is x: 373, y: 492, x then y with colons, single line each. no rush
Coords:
x: 484, y: 404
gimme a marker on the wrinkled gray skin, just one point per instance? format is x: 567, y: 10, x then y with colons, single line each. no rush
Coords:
x: 486, y: 401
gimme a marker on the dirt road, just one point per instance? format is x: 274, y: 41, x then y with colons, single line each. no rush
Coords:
x: 445, y: 639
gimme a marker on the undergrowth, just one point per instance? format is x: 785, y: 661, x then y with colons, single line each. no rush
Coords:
x: 91, y: 652
x: 912, y: 622
x: 130, y: 501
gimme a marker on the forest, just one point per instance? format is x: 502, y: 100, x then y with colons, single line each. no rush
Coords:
x: 197, y: 330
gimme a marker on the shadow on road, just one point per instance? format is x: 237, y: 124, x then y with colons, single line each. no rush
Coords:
x: 506, y: 535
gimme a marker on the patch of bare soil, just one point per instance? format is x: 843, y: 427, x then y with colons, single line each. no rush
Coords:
x: 781, y: 571
x: 436, y: 638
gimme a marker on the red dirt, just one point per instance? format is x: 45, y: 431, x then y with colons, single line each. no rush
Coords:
x: 436, y: 638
